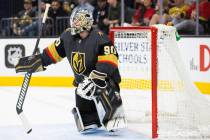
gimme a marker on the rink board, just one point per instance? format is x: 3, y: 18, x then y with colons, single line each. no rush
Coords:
x: 204, y: 87
x: 196, y: 56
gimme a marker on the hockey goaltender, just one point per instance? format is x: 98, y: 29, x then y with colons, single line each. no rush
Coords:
x: 94, y: 61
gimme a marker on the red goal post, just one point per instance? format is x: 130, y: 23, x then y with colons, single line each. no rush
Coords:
x: 153, y: 31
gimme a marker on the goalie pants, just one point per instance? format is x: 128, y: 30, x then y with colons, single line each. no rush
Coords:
x: 88, y: 109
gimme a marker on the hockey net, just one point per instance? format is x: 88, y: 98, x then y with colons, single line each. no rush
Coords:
x: 157, y: 91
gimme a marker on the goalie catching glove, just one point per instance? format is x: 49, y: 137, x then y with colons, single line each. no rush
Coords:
x: 30, y: 64
x: 90, y: 85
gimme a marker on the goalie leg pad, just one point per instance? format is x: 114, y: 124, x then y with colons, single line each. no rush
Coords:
x: 110, y: 110
x: 117, y: 121
x: 78, y: 119
x: 85, y: 114
x: 80, y: 122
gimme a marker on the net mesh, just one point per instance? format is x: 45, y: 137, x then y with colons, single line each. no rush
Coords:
x: 182, y: 110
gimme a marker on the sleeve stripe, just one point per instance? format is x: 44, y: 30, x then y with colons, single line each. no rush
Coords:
x: 53, y: 53
x: 111, y: 58
x: 50, y: 55
x: 109, y: 62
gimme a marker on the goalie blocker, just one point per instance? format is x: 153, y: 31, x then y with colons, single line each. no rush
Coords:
x: 30, y: 64
x: 98, y: 104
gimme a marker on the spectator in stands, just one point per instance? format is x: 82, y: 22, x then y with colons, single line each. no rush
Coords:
x: 57, y: 13
x: 188, y: 26
x: 156, y: 18
x: 143, y: 13
x: 114, y: 14
x: 33, y: 27
x: 178, y: 12
x: 56, y: 10
x: 99, y: 14
x: 84, y: 4
x: 93, y: 2
x: 68, y: 7
x: 24, y: 17
x: 130, y: 3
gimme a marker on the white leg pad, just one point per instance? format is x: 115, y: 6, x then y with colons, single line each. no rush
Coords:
x: 79, y: 122
x: 78, y: 119
x: 118, y: 120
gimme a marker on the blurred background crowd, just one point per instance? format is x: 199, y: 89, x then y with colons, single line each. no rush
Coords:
x: 22, y: 18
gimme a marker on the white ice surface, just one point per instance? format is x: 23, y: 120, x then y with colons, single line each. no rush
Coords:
x: 49, y: 112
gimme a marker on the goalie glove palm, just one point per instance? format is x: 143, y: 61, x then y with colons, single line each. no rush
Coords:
x: 92, y: 85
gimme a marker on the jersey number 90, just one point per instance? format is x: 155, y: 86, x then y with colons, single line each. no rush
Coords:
x: 109, y: 50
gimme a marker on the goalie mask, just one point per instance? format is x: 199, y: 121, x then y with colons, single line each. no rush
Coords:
x: 81, y: 20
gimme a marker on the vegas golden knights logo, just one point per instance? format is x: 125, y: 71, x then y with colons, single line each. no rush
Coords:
x: 78, y: 62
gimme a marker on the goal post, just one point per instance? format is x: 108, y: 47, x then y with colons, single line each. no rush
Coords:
x: 152, y: 31
x: 158, y: 88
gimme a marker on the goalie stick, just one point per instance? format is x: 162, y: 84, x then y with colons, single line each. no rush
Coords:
x: 26, y: 81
